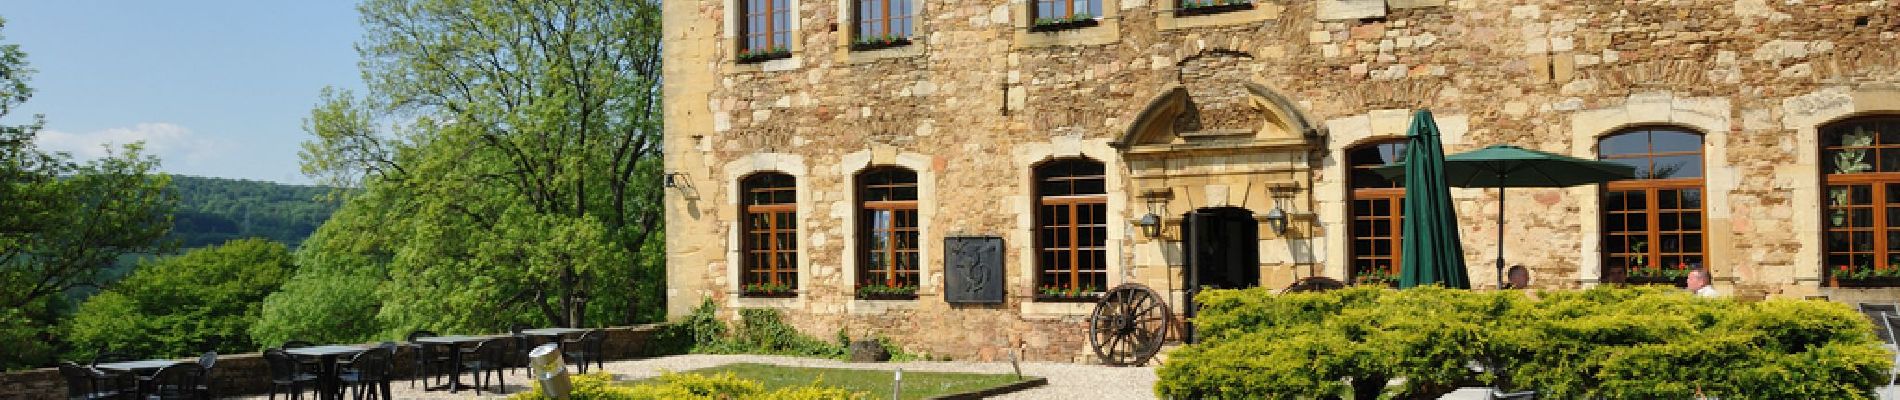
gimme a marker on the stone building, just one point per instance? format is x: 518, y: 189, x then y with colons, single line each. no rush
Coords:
x: 821, y: 155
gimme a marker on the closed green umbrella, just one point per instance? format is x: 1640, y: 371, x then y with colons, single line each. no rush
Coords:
x: 1505, y: 166
x: 1432, y: 253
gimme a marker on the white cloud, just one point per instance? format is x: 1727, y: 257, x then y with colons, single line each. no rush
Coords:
x: 170, y: 142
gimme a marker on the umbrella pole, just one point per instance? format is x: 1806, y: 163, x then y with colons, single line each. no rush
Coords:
x: 1500, y: 233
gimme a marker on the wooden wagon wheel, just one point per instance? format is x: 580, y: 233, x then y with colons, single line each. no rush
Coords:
x: 1129, y: 324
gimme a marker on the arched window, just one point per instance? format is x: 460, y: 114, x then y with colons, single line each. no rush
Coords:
x: 887, y: 232
x: 1377, y: 213
x: 771, y: 235
x: 1652, y: 225
x: 1071, y: 230
x: 1860, y: 165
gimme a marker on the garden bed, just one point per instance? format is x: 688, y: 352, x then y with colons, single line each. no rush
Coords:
x: 877, y: 383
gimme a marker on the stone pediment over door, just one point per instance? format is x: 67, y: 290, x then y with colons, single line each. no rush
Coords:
x: 1214, y: 114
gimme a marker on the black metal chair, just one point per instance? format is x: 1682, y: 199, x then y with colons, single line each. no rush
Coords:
x: 522, y: 343
x: 426, y: 358
x: 585, y: 348
x: 367, y: 373
x: 82, y: 383
x: 287, y: 373
x: 1891, y: 321
x: 1873, y: 311
x: 121, y: 382
x: 179, y: 381
x: 489, y: 357
x: 206, y: 361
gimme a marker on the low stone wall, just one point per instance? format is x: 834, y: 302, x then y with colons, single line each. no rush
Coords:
x: 244, y: 374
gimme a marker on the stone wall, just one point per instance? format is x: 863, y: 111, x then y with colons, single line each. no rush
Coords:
x: 977, y: 99
x: 248, y: 374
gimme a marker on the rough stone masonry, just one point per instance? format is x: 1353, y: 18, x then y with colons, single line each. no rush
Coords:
x: 1254, y: 107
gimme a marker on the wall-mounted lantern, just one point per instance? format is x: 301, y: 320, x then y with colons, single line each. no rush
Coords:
x: 674, y: 179
x: 1150, y: 225
x: 1276, y: 219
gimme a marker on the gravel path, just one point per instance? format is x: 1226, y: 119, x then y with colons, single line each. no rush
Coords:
x: 1066, y: 381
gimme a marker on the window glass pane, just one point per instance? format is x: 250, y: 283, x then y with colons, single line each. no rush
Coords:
x: 1677, y: 167
x: 1670, y: 141
x: 1624, y: 144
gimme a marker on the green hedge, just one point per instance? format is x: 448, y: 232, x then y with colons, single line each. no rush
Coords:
x: 672, y: 386
x: 1609, y: 343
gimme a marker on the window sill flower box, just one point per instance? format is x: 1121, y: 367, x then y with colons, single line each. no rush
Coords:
x: 1645, y: 275
x: 1062, y: 24
x: 1375, y: 277
x: 1193, y: 7
x: 1054, y: 294
x: 879, y: 43
x: 753, y: 56
x: 880, y: 291
x: 768, y: 290
x: 1863, y: 277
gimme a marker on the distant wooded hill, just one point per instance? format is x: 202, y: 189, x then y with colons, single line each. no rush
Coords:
x: 214, y: 210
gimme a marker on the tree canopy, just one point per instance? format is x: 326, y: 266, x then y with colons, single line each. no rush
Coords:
x: 63, y: 223
x: 507, y: 155
x: 204, y: 299
x: 217, y: 210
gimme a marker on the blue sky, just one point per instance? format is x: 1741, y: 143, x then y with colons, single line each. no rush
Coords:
x: 215, y: 88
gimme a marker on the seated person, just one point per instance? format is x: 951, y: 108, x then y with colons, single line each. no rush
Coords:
x: 1698, y: 283
x: 1517, y: 277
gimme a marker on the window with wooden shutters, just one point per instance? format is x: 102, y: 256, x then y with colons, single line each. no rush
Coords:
x: 767, y: 29
x: 1652, y: 225
x: 1860, y: 166
x: 1377, y: 213
x: 771, y: 235
x: 1071, y: 230
x: 888, y: 234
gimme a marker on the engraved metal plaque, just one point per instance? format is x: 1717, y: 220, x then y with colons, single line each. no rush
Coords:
x: 973, y: 270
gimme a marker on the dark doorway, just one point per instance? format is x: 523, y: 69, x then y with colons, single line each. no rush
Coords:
x: 1222, y: 250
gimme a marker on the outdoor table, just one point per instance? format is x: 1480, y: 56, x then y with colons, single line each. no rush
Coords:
x: 551, y: 332
x: 328, y: 385
x: 454, y: 343
x: 138, y: 368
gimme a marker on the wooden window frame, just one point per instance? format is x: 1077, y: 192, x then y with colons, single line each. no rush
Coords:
x: 773, y: 249
x: 769, y: 22
x: 1073, y: 231
x: 1879, y: 203
x: 1652, y: 188
x: 891, y: 274
x: 1395, y: 217
x: 888, y: 23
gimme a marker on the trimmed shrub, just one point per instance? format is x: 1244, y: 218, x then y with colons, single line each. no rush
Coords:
x: 600, y: 386
x: 1610, y: 343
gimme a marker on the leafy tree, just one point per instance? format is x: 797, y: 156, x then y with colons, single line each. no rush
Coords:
x: 204, y: 299
x: 63, y: 223
x: 519, y: 178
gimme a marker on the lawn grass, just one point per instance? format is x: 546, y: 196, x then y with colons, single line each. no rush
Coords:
x: 877, y: 383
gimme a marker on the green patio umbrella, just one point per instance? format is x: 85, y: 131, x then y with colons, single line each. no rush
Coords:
x: 1431, y: 248
x: 1505, y: 166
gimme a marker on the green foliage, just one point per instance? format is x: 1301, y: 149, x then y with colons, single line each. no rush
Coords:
x: 63, y: 223
x: 600, y: 386
x: 176, y: 306
x: 1602, y: 343
x: 518, y: 179
x: 758, y: 331
x: 215, y: 210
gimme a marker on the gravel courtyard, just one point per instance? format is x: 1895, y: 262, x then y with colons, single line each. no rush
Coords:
x: 1066, y: 381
